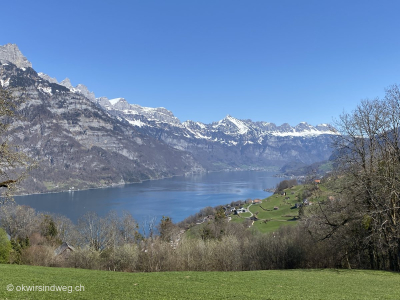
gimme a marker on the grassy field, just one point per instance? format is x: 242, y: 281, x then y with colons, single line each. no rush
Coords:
x: 272, y: 225
x: 284, y: 284
x: 270, y: 219
x: 245, y: 215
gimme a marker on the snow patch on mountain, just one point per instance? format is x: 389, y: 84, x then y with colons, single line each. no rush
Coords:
x: 46, y: 90
x: 307, y: 133
x: 115, y: 101
x: 137, y: 123
x: 241, y: 126
x: 195, y: 133
x: 5, y: 83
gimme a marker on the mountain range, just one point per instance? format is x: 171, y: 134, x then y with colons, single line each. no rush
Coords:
x: 82, y: 141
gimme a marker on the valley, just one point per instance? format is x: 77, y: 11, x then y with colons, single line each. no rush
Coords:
x: 81, y: 141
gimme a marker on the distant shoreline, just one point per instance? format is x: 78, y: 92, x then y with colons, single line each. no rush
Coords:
x: 151, y: 179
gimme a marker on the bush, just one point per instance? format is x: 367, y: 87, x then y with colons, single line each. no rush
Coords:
x: 5, y: 247
x: 285, y: 184
x: 38, y: 255
x: 85, y: 258
x: 122, y: 258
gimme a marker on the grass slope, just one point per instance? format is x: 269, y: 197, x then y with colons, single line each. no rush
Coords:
x: 270, y: 219
x: 277, y: 284
x: 286, y: 214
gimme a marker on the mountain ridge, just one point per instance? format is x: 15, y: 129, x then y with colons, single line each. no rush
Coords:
x: 117, y: 130
x: 78, y: 144
x: 230, y: 143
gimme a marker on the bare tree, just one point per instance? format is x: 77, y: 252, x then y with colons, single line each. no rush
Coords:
x: 66, y: 230
x: 93, y: 231
x: 149, y: 227
x: 129, y: 228
x: 368, y: 160
x: 18, y: 221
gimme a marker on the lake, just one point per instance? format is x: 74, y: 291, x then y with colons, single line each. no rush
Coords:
x: 177, y: 197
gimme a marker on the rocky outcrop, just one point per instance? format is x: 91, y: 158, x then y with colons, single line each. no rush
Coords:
x: 47, y: 77
x: 80, y: 88
x: 67, y: 83
x: 85, y: 92
x: 10, y: 53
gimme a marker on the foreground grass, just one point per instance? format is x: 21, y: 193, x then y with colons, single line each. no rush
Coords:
x: 285, y: 284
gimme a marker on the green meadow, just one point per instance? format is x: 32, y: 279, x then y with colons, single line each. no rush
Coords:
x: 273, y: 284
x: 279, y: 210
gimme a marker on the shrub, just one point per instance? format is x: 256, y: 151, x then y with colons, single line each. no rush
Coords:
x: 5, y: 247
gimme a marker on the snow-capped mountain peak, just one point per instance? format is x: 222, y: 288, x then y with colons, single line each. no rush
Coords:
x: 148, y: 116
x: 116, y: 100
x: 232, y: 126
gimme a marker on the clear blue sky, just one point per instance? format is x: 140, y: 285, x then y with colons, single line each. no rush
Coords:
x: 277, y: 61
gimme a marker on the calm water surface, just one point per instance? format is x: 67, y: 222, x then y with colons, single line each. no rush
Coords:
x: 176, y: 197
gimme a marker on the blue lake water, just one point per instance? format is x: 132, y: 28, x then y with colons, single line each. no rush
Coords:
x: 177, y: 197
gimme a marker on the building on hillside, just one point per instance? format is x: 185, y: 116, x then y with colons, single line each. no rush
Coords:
x: 64, y: 250
x: 240, y: 210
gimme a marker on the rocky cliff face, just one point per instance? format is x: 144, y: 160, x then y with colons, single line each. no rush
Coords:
x: 77, y: 143
x: 10, y: 54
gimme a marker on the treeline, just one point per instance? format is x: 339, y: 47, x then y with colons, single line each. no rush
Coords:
x: 285, y: 184
x: 366, y: 214
x: 114, y: 243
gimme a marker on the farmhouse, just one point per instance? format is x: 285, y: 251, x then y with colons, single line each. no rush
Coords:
x: 64, y: 250
x: 240, y: 210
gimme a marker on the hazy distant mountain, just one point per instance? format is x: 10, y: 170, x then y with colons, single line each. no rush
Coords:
x: 230, y: 143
